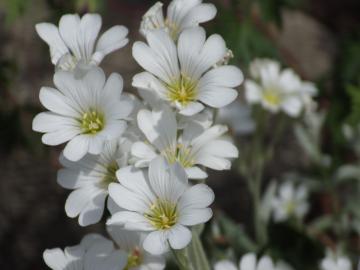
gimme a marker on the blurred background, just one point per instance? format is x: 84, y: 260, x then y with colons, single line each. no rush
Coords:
x: 319, y: 39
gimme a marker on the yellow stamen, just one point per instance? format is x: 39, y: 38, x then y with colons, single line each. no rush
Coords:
x: 162, y: 215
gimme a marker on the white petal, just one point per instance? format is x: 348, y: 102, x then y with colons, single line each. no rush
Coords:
x: 192, y: 108
x: 78, y: 199
x: 209, y: 135
x: 146, y: 81
x: 55, y: 258
x: 113, y: 87
x: 168, y: 182
x: 199, y: 14
x: 213, y: 51
x: 196, y: 173
x: 71, y: 179
x: 59, y: 136
x: 89, y: 29
x: 50, y: 34
x: 76, y: 148
x: 165, y: 49
x: 127, y: 199
x: 252, y: 92
x: 54, y: 101
x: 149, y: 61
x: 136, y: 181
x: 49, y: 122
x: 197, y: 196
x: 131, y: 221
x: 226, y: 76
x: 143, y: 151
x: 113, y: 39
x: 192, y: 216
x: 213, y: 162
x: 69, y: 27
x: 292, y: 106
x: 248, y: 262
x: 190, y: 43
x: 217, y: 97
x: 265, y: 263
x: 219, y: 148
x: 179, y: 236
x: 225, y: 265
x: 93, y: 212
x: 156, y: 243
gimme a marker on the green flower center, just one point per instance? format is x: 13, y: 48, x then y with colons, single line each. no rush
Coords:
x: 162, y: 215
x: 134, y: 259
x: 290, y: 207
x: 92, y: 122
x: 180, y: 154
x: 173, y: 29
x: 272, y: 97
x: 182, y: 91
x: 110, y: 175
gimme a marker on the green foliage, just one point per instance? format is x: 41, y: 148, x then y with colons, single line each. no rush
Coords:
x: 354, y: 94
x: 271, y: 9
x: 14, y: 9
x: 243, y: 37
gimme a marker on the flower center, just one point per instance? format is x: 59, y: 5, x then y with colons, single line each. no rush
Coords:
x: 162, y: 215
x: 134, y: 259
x: 272, y: 97
x: 110, y: 175
x: 290, y: 207
x: 92, y: 122
x: 67, y: 62
x: 173, y: 29
x: 180, y: 154
x: 182, y: 91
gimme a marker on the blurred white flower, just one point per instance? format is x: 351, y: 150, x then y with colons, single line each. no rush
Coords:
x: 162, y: 204
x: 290, y: 202
x: 238, y: 117
x: 90, y: 178
x: 249, y: 262
x: 335, y: 261
x: 225, y: 265
x: 94, y: 252
x: 181, y: 14
x: 85, y: 113
x: 72, y: 44
x: 277, y: 90
x: 132, y: 243
x: 195, y: 145
x: 194, y: 82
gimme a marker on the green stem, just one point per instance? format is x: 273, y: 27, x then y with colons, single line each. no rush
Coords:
x: 182, y: 259
x: 197, y: 254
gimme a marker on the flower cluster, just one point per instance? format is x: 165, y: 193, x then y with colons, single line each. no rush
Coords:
x: 136, y: 156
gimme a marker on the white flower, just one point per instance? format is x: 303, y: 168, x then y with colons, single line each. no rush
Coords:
x: 277, y: 90
x: 192, y: 146
x: 334, y: 261
x: 181, y: 14
x: 290, y: 202
x: 85, y: 113
x: 72, y: 44
x: 183, y: 74
x: 225, y: 265
x: 90, y: 178
x: 162, y: 204
x: 132, y: 243
x: 94, y: 252
x: 249, y: 262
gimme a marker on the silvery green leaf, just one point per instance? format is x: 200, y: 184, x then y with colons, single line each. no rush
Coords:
x: 347, y: 172
x: 268, y: 196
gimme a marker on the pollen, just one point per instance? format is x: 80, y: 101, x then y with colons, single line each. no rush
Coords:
x: 92, y: 122
x: 272, y: 97
x: 181, y: 154
x: 182, y: 91
x: 110, y: 175
x: 134, y: 259
x: 162, y: 215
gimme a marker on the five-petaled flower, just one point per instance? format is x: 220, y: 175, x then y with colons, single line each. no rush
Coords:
x: 161, y: 203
